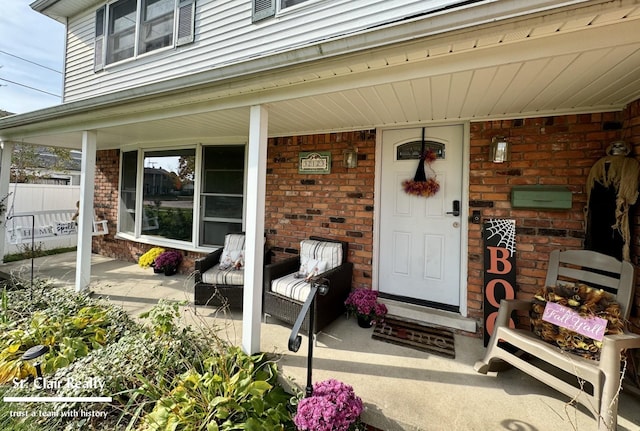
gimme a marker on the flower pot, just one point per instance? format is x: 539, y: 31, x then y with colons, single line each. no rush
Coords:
x: 364, y: 322
x: 170, y: 270
x: 157, y: 270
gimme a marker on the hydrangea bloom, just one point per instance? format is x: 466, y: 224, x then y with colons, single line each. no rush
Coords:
x: 334, y: 406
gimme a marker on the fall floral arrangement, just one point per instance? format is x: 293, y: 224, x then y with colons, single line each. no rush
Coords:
x: 420, y: 185
x: 587, y: 301
x: 147, y: 259
x: 364, y: 304
x: 334, y: 406
x: 168, y: 260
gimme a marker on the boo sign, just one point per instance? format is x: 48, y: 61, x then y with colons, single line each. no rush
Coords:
x: 499, y: 269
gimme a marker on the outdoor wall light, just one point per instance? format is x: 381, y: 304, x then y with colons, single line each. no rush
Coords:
x: 500, y: 150
x: 350, y: 158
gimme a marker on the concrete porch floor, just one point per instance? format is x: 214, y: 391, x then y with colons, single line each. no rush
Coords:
x: 402, y: 388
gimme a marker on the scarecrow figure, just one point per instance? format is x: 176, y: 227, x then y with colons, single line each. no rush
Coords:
x: 612, y: 190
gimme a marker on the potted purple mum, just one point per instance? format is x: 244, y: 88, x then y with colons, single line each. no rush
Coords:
x: 363, y: 303
x: 334, y: 406
x: 168, y: 262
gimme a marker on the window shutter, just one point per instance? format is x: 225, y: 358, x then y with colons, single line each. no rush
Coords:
x: 263, y: 9
x: 98, y: 44
x: 186, y: 22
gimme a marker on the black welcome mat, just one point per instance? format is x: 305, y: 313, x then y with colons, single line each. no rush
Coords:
x: 430, y: 339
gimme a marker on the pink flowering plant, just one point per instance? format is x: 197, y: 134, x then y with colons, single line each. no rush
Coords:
x: 168, y: 259
x: 364, y: 303
x: 334, y: 406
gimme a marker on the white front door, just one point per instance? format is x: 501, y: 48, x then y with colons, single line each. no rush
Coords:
x: 420, y: 236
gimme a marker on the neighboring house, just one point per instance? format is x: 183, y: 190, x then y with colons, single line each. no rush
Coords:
x: 46, y: 167
x: 244, y: 88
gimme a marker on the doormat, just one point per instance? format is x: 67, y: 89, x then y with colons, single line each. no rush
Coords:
x: 432, y: 339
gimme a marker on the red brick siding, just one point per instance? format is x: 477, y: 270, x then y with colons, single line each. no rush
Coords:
x: 631, y: 134
x: 337, y: 205
x: 554, y: 151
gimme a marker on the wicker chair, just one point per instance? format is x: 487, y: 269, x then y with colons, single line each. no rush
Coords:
x: 285, y: 293
x: 220, y: 287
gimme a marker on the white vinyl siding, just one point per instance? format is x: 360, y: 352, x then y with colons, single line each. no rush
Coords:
x: 224, y: 35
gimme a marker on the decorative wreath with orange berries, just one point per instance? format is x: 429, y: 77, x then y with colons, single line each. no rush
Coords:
x: 420, y: 185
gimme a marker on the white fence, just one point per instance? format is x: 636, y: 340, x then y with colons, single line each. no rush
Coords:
x: 47, y: 203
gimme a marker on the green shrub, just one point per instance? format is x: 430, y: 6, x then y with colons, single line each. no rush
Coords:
x: 70, y: 324
x: 161, y: 376
x: 236, y: 391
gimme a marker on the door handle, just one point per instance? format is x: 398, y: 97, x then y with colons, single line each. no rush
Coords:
x: 456, y: 209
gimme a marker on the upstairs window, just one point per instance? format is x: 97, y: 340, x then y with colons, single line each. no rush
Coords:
x: 156, y: 25
x: 287, y: 3
x: 121, y: 30
x: 136, y: 27
x: 267, y: 8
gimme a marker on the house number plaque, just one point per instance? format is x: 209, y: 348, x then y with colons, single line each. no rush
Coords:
x: 316, y: 162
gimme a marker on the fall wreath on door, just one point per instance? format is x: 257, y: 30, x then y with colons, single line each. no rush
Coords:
x: 421, y: 184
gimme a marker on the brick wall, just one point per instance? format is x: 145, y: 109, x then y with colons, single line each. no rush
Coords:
x: 631, y: 134
x: 337, y: 205
x: 552, y: 151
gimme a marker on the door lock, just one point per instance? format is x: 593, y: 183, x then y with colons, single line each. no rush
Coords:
x: 456, y: 209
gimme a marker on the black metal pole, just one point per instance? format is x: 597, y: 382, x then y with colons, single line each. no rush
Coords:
x: 33, y: 228
x: 318, y: 286
x: 311, y: 340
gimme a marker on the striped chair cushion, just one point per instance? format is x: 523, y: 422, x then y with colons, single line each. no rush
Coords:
x: 330, y: 252
x: 219, y: 276
x: 312, y: 254
x: 233, y: 251
x: 291, y: 287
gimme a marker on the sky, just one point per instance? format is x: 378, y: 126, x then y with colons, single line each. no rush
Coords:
x: 31, y: 55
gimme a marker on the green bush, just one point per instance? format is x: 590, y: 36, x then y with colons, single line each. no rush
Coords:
x: 69, y: 324
x: 161, y: 376
x: 236, y: 391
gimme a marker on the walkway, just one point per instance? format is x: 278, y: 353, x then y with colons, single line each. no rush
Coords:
x: 402, y: 388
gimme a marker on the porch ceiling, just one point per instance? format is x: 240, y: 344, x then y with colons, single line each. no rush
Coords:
x: 549, y: 65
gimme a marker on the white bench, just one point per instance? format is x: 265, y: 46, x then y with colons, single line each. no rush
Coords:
x: 47, y: 225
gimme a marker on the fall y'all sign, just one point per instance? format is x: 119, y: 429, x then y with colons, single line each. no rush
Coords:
x: 589, y: 326
x: 499, y: 269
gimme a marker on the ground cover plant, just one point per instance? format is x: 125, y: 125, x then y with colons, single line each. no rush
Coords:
x: 160, y: 375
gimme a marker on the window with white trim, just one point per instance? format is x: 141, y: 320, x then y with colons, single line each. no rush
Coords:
x: 267, y: 8
x: 288, y: 3
x: 128, y: 28
x: 158, y: 189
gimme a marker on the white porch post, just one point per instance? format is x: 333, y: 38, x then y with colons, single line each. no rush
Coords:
x: 5, y: 179
x: 254, y: 230
x: 85, y: 220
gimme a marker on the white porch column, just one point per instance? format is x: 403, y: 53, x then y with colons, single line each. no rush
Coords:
x: 85, y: 220
x: 254, y: 230
x: 5, y: 179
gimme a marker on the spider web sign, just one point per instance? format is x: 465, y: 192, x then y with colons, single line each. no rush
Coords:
x: 499, y: 269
